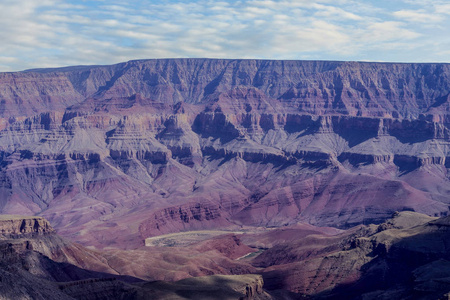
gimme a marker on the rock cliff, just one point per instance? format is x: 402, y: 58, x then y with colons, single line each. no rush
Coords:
x: 403, y: 258
x: 20, y: 226
x: 38, y: 264
x: 114, y: 154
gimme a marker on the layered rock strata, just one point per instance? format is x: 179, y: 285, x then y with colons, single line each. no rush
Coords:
x: 114, y: 154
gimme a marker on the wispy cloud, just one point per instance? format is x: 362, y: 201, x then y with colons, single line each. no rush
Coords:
x: 419, y: 15
x: 49, y: 33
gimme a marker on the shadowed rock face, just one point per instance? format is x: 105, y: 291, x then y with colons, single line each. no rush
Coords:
x: 403, y: 258
x: 114, y: 154
x: 38, y: 264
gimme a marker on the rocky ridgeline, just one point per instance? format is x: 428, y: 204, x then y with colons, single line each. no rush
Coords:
x: 182, y: 144
x: 316, y: 87
x: 405, y: 257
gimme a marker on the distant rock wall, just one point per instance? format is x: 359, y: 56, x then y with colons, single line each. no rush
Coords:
x: 315, y: 87
x: 110, y: 154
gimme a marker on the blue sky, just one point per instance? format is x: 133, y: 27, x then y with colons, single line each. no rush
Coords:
x: 52, y: 33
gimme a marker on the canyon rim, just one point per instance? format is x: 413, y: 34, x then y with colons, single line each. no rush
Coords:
x: 274, y: 152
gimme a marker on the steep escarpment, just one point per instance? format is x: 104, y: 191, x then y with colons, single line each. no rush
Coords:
x: 316, y: 87
x: 114, y: 154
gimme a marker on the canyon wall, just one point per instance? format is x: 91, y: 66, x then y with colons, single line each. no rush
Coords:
x: 114, y: 154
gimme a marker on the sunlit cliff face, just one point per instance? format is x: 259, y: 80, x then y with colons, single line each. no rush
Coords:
x: 112, y: 155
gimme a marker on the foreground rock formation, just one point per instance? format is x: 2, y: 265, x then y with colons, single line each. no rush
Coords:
x: 38, y: 264
x: 112, y: 155
x: 404, y: 258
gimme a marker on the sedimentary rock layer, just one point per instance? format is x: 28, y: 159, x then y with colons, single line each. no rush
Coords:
x: 114, y: 154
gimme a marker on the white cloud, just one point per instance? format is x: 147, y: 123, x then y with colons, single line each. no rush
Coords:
x: 59, y: 32
x: 389, y: 31
x: 420, y: 15
x: 442, y: 8
x: 335, y: 12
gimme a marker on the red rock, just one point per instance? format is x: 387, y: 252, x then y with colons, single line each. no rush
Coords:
x: 114, y: 154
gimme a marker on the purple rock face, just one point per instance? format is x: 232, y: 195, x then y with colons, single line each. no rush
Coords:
x: 111, y: 155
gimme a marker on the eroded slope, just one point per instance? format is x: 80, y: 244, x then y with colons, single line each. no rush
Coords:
x: 112, y: 155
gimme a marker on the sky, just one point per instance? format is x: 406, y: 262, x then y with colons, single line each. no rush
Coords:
x: 55, y: 33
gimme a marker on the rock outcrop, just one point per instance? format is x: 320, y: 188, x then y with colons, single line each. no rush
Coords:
x: 38, y: 264
x: 403, y: 258
x: 114, y: 154
x: 20, y: 226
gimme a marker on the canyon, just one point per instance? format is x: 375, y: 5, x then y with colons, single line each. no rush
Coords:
x: 405, y: 257
x: 114, y: 155
x: 36, y: 263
